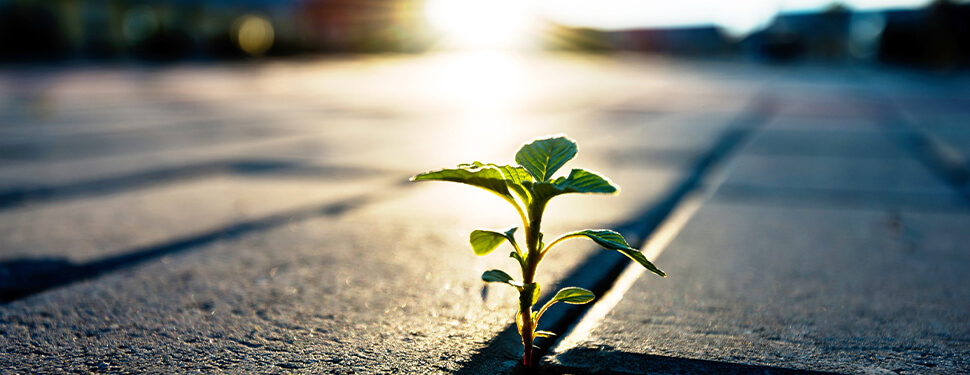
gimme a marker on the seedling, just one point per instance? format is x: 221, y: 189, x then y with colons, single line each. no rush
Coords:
x: 528, y: 187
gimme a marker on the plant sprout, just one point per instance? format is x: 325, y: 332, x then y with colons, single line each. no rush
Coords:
x: 528, y: 187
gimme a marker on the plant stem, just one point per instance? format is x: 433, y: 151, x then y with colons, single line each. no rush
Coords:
x: 527, y: 325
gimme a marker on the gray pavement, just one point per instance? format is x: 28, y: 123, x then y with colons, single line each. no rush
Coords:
x: 256, y: 218
x: 828, y: 247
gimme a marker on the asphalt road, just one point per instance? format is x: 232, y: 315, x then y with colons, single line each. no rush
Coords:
x: 257, y: 217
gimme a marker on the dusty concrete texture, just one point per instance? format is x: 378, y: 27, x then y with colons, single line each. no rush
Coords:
x: 829, y: 247
x: 258, y: 219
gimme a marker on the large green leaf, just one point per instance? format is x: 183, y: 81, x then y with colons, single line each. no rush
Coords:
x: 578, y: 181
x: 488, y: 177
x: 543, y: 157
x: 483, y: 241
x: 515, y: 178
x: 614, y: 241
x: 573, y: 295
x: 516, y: 175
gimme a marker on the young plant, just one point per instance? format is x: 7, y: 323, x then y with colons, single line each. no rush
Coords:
x: 528, y: 187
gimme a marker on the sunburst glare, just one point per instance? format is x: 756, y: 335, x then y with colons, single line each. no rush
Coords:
x: 483, y: 24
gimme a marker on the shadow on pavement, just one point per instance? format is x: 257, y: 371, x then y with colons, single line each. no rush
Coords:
x: 633, y: 363
x: 20, y: 278
x: 18, y: 197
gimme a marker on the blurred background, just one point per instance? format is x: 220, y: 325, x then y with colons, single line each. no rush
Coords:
x: 933, y: 34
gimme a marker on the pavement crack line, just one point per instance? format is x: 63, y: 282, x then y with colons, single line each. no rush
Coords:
x: 20, y: 278
x: 606, y: 272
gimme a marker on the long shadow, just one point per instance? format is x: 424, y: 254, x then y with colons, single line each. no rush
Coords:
x: 20, y: 278
x: 838, y: 199
x: 19, y: 197
x: 633, y: 363
x: 953, y: 169
x: 600, y: 270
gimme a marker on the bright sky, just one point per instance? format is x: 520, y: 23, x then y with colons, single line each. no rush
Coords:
x: 620, y: 14
x: 499, y: 22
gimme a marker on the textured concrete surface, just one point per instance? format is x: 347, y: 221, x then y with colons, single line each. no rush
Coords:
x: 829, y: 247
x: 256, y: 218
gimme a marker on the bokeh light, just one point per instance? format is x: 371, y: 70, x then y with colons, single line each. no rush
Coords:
x: 253, y: 34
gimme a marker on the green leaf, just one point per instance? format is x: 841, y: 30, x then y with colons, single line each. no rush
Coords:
x: 499, y: 276
x: 515, y: 177
x: 578, y: 181
x: 583, y: 181
x: 545, y: 334
x: 543, y: 157
x: 517, y: 257
x: 614, y: 241
x: 483, y: 241
x: 535, y: 290
x: 488, y: 177
x: 573, y: 295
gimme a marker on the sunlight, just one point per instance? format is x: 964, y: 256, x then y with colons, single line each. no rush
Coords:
x: 482, y: 24
x: 483, y: 90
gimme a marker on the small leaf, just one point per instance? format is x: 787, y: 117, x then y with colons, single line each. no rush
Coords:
x: 517, y: 257
x: 534, y: 290
x: 545, y: 334
x: 499, y: 276
x: 487, y: 177
x: 573, y: 295
x: 484, y: 241
x: 614, y: 241
x: 543, y: 157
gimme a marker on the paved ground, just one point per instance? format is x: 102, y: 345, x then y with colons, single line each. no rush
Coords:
x: 830, y: 246
x: 256, y: 218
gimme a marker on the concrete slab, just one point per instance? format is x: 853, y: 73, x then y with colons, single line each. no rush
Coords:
x: 807, y: 289
x: 322, y: 295
x: 84, y: 230
x: 219, y: 269
x: 391, y: 287
x: 387, y: 285
x: 850, y: 163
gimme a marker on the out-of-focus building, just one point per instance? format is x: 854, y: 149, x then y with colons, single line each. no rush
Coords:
x: 177, y: 29
x: 936, y: 36
x: 363, y: 26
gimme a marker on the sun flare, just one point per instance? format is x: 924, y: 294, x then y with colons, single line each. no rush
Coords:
x: 481, y: 23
